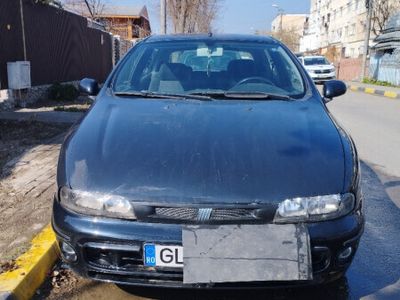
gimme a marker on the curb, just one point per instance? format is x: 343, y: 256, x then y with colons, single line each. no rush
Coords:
x: 32, y: 267
x: 369, y: 90
x: 43, y: 116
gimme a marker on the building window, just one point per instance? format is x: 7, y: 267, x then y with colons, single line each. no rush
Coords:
x: 353, y: 29
x: 346, y: 31
x: 341, y: 11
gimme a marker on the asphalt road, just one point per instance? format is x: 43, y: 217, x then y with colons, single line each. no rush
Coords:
x: 374, y: 123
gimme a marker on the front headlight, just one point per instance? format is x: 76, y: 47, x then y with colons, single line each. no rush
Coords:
x: 97, y: 204
x: 316, y: 208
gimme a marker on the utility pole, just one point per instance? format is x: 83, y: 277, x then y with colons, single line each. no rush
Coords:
x: 163, y: 16
x: 21, y: 11
x: 369, y: 4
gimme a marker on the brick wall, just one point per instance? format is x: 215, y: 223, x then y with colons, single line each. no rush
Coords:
x: 349, y: 68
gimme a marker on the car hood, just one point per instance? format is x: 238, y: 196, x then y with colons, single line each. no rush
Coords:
x: 205, y: 151
x: 320, y: 67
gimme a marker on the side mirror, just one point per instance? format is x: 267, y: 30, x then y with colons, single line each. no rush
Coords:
x: 333, y: 88
x: 89, y: 87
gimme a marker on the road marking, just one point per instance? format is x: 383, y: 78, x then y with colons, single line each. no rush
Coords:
x: 353, y: 88
x: 32, y: 267
x: 370, y: 90
x: 390, y: 94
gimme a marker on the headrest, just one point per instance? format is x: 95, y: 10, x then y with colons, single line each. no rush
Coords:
x: 241, y: 68
x: 174, y: 71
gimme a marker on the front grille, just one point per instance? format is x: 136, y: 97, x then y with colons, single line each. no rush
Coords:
x: 176, y: 213
x: 141, y: 277
x: 194, y: 214
x: 110, y: 256
x: 321, y: 258
x: 322, y: 71
x: 232, y: 214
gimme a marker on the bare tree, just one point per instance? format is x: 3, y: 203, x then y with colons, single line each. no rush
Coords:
x: 95, y: 8
x: 50, y: 2
x: 192, y: 16
x: 289, y: 37
x: 382, y: 10
x: 91, y: 8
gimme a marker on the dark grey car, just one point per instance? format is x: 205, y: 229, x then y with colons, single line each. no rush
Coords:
x: 206, y: 154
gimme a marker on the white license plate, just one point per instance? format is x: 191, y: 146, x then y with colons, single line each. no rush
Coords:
x: 324, y: 75
x: 163, y: 256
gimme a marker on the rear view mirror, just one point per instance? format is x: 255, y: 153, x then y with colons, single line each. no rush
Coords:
x: 333, y: 88
x: 209, y: 52
x: 89, y: 87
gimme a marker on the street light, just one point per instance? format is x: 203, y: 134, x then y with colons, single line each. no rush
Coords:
x: 280, y: 12
x: 163, y: 16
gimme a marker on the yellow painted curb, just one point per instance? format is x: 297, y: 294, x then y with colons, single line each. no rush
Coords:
x: 33, y: 267
x: 390, y: 94
x: 353, y: 88
x: 369, y: 90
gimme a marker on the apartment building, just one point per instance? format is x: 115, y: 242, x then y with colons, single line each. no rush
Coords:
x: 292, y: 22
x: 337, y: 25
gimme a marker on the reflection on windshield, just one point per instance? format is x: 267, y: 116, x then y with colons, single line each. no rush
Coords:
x: 315, y: 61
x: 188, y: 67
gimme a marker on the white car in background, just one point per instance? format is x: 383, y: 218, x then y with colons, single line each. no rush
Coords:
x: 319, y: 68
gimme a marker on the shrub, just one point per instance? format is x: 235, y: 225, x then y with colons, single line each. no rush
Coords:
x: 62, y: 92
x: 377, y: 82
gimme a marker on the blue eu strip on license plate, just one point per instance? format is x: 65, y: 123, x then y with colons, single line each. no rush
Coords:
x: 163, y: 256
x: 150, y: 255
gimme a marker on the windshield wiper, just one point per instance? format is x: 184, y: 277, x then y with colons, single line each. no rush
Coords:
x: 147, y: 94
x: 245, y: 95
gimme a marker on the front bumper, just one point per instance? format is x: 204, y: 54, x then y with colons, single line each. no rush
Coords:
x: 322, y: 77
x: 111, y: 250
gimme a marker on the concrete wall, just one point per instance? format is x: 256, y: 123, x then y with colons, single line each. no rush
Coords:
x: 349, y: 69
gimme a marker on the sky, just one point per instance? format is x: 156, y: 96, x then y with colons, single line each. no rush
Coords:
x: 235, y: 16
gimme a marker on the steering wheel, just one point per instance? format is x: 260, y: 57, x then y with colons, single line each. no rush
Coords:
x: 254, y: 79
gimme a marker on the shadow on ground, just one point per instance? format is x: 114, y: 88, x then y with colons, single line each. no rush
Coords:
x: 375, y: 272
x: 28, y: 159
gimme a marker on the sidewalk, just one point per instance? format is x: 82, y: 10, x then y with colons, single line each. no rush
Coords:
x: 386, y: 91
x: 41, y: 116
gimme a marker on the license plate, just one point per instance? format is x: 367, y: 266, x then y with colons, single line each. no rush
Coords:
x: 265, y: 252
x: 163, y: 256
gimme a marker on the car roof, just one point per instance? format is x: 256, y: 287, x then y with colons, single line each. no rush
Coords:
x: 212, y: 37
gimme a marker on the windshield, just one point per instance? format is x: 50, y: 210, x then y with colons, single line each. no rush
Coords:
x: 309, y: 61
x: 194, y: 67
